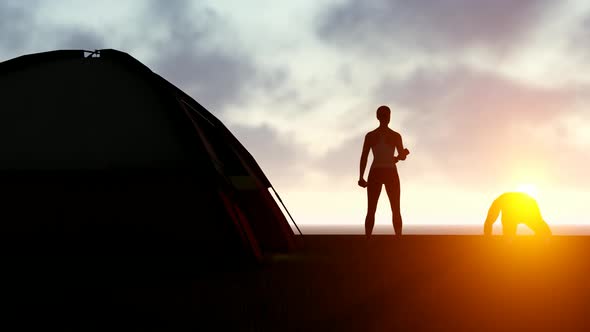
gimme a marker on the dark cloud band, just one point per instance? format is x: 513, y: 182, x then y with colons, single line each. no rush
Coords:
x: 424, y: 25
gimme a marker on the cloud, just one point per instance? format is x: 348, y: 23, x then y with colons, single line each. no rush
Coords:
x: 477, y: 127
x: 201, y: 53
x: 444, y: 25
x: 578, y: 41
x: 189, y: 44
x: 23, y: 31
x: 212, y: 78
x: 342, y: 161
x: 282, y: 159
x: 473, y: 129
x: 475, y: 93
x: 81, y: 39
x: 15, y: 24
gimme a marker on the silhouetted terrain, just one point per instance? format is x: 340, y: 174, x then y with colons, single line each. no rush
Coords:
x: 337, y: 283
x: 438, y: 229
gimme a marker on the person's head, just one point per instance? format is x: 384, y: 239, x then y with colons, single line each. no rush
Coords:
x: 383, y: 114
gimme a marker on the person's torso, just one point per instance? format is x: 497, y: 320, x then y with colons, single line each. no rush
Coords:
x: 383, y: 148
x: 519, y: 207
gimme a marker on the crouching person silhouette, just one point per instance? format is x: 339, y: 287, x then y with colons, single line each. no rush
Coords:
x: 383, y: 142
x: 517, y: 208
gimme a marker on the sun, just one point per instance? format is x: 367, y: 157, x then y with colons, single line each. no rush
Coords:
x: 529, y: 189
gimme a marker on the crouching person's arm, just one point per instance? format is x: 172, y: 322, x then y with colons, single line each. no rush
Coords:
x: 487, y: 227
x: 493, y: 213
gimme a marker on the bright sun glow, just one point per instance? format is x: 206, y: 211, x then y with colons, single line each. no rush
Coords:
x: 528, y: 188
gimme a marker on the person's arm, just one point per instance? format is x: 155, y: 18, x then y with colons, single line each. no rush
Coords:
x: 363, y: 162
x: 487, y: 227
x: 493, y: 213
x: 401, y: 151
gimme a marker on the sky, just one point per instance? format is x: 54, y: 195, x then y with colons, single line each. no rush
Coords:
x: 489, y: 96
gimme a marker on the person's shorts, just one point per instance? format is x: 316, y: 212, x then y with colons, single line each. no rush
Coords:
x: 378, y: 176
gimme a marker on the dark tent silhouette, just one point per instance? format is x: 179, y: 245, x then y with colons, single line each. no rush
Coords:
x: 99, y: 153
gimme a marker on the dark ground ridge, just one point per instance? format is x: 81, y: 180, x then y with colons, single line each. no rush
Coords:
x: 335, y: 283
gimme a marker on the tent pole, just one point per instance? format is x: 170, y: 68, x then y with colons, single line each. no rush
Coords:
x: 283, y: 204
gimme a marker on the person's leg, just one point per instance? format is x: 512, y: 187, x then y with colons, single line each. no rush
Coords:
x: 392, y: 186
x: 373, y: 192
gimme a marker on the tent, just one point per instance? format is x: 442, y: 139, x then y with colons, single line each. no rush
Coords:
x: 97, y: 152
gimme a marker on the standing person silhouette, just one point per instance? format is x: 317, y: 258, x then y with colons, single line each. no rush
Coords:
x: 383, y: 142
